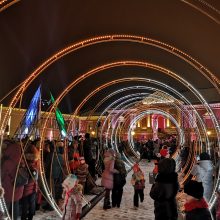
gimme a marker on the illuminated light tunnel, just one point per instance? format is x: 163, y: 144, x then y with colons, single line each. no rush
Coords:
x: 122, y: 105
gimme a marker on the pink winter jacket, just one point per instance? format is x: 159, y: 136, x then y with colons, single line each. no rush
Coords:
x: 107, y: 175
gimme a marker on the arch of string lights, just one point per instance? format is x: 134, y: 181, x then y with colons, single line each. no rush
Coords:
x: 115, y: 144
x: 111, y: 65
x: 204, y: 8
x: 142, y: 87
x: 125, y: 116
x: 109, y: 38
x: 121, y: 90
x: 136, y: 63
x: 135, y: 87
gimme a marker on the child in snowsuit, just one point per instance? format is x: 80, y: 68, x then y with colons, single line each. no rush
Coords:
x: 138, y: 183
x: 72, y: 193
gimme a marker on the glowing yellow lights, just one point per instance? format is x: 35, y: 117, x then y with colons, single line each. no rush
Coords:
x: 168, y: 123
x: 132, y: 133
x: 148, y: 121
x: 209, y: 132
x: 92, y: 41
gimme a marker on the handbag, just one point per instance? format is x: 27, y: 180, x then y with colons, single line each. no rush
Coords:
x: 22, y: 177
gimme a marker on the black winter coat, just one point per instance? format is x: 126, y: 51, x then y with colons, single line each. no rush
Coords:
x: 163, y: 192
x: 198, y: 214
x: 119, y: 179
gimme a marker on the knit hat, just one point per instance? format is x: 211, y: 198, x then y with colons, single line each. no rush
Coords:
x: 164, y: 152
x: 204, y: 156
x: 136, y: 167
x: 194, y: 189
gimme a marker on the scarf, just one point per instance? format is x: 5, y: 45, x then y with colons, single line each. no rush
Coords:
x: 196, y: 204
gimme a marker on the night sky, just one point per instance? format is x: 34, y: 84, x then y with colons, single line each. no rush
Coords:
x: 31, y: 31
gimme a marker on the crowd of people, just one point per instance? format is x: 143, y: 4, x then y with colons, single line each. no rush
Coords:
x: 165, y: 188
x: 20, y: 162
x: 20, y: 165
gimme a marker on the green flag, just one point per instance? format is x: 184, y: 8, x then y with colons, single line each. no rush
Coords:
x: 60, y: 119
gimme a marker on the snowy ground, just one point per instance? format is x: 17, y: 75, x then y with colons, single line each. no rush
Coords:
x: 126, y: 211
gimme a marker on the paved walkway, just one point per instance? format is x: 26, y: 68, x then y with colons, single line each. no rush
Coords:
x: 126, y: 211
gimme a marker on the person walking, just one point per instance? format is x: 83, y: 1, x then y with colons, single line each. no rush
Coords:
x: 203, y: 172
x: 107, y: 176
x: 28, y: 201
x: 138, y: 183
x: 10, y: 166
x: 196, y: 207
x: 164, y: 191
x: 119, y: 180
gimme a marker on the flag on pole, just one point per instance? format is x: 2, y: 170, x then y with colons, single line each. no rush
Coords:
x: 30, y: 119
x: 60, y: 119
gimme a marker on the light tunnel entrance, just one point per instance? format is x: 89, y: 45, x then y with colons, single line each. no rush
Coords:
x: 150, y: 111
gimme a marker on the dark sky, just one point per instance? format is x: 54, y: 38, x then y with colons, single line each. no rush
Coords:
x: 33, y: 30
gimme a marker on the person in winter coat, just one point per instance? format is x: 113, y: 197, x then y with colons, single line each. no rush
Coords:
x: 82, y: 172
x: 184, y: 152
x: 138, y: 183
x: 57, y: 171
x: 203, y: 171
x: 28, y: 201
x: 72, y: 193
x: 107, y: 176
x: 119, y: 180
x: 74, y: 155
x: 196, y: 207
x: 87, y: 153
x: 164, y: 191
x: 10, y: 162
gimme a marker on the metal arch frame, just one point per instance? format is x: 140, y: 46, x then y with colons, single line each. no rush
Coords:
x: 128, y: 38
x: 91, y: 72
x: 110, y: 83
x: 109, y: 38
